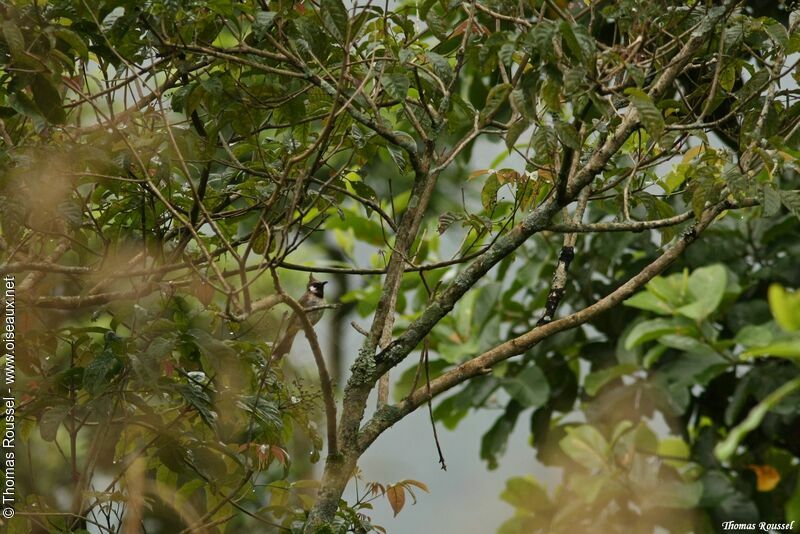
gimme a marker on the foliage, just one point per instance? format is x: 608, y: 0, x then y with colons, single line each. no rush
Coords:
x: 168, y: 166
x: 717, y: 384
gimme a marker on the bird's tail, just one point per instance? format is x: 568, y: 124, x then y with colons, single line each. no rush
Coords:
x: 282, y: 348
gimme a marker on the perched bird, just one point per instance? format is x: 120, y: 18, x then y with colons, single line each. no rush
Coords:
x: 313, y: 297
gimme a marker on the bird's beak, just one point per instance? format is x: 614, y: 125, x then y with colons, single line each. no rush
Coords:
x: 323, y: 283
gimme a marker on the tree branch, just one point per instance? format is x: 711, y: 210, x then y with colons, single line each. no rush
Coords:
x: 324, y: 377
x: 389, y: 415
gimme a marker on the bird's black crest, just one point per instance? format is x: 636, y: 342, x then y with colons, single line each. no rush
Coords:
x: 317, y: 287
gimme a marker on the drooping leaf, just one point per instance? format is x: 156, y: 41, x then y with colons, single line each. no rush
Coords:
x: 198, y: 399
x: 650, y: 115
x: 441, y: 67
x: 437, y: 25
x: 529, y: 388
x: 74, y: 41
x: 495, y: 440
x: 496, y: 98
x: 335, y: 17
x: 13, y: 37
x: 51, y: 420
x: 767, y: 477
x: 489, y: 193
x: 396, y: 495
x: 791, y: 199
x: 396, y: 85
x: 770, y: 201
x: 415, y: 483
x: 754, y: 85
x: 47, y: 99
x: 514, y: 131
x: 100, y: 371
x: 568, y: 135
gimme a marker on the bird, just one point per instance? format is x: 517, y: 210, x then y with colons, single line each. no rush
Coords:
x: 312, y: 298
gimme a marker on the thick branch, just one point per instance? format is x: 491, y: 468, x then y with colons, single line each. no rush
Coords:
x: 540, y: 218
x: 322, y: 370
x: 480, y: 364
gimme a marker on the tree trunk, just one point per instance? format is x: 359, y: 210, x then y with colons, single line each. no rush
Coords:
x: 334, y: 481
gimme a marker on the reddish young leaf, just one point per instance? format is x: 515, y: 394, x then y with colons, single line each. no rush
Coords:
x: 417, y: 483
x: 396, y: 495
x: 767, y: 477
x: 279, y: 454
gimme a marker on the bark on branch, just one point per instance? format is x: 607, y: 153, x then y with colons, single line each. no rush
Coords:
x: 319, y: 359
x: 388, y: 416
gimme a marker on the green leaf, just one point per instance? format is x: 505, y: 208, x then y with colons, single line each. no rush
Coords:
x: 578, y: 41
x: 437, y: 25
x: 551, y: 95
x: 793, y: 505
x: 727, y: 77
x: 777, y: 32
x: 785, y: 307
x: 705, y: 188
x: 335, y: 18
x: 21, y: 103
x: 586, y: 446
x: 396, y: 85
x: 725, y: 449
x: 364, y: 229
x: 588, y: 487
x: 674, y: 447
x: 363, y: 190
x: 74, y: 41
x: 48, y: 99
x: 526, y: 493
x: 707, y: 286
x: 645, y: 300
x: 740, y: 186
x: 489, y: 192
x: 675, y: 178
x: 496, y: 98
x: 754, y: 85
x: 650, y: 115
x: 51, y: 420
x: 673, y: 494
x: 791, y: 199
x: 754, y: 336
x: 670, y: 289
x: 529, y: 388
x: 199, y: 400
x: 544, y: 143
x: 100, y: 371
x: 263, y: 22
x: 514, y: 131
x: 441, y: 67
x: 14, y: 39
x: 596, y: 380
x: 783, y: 349
x: 494, y: 442
x: 770, y: 201
x: 655, y: 328
x: 568, y: 135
